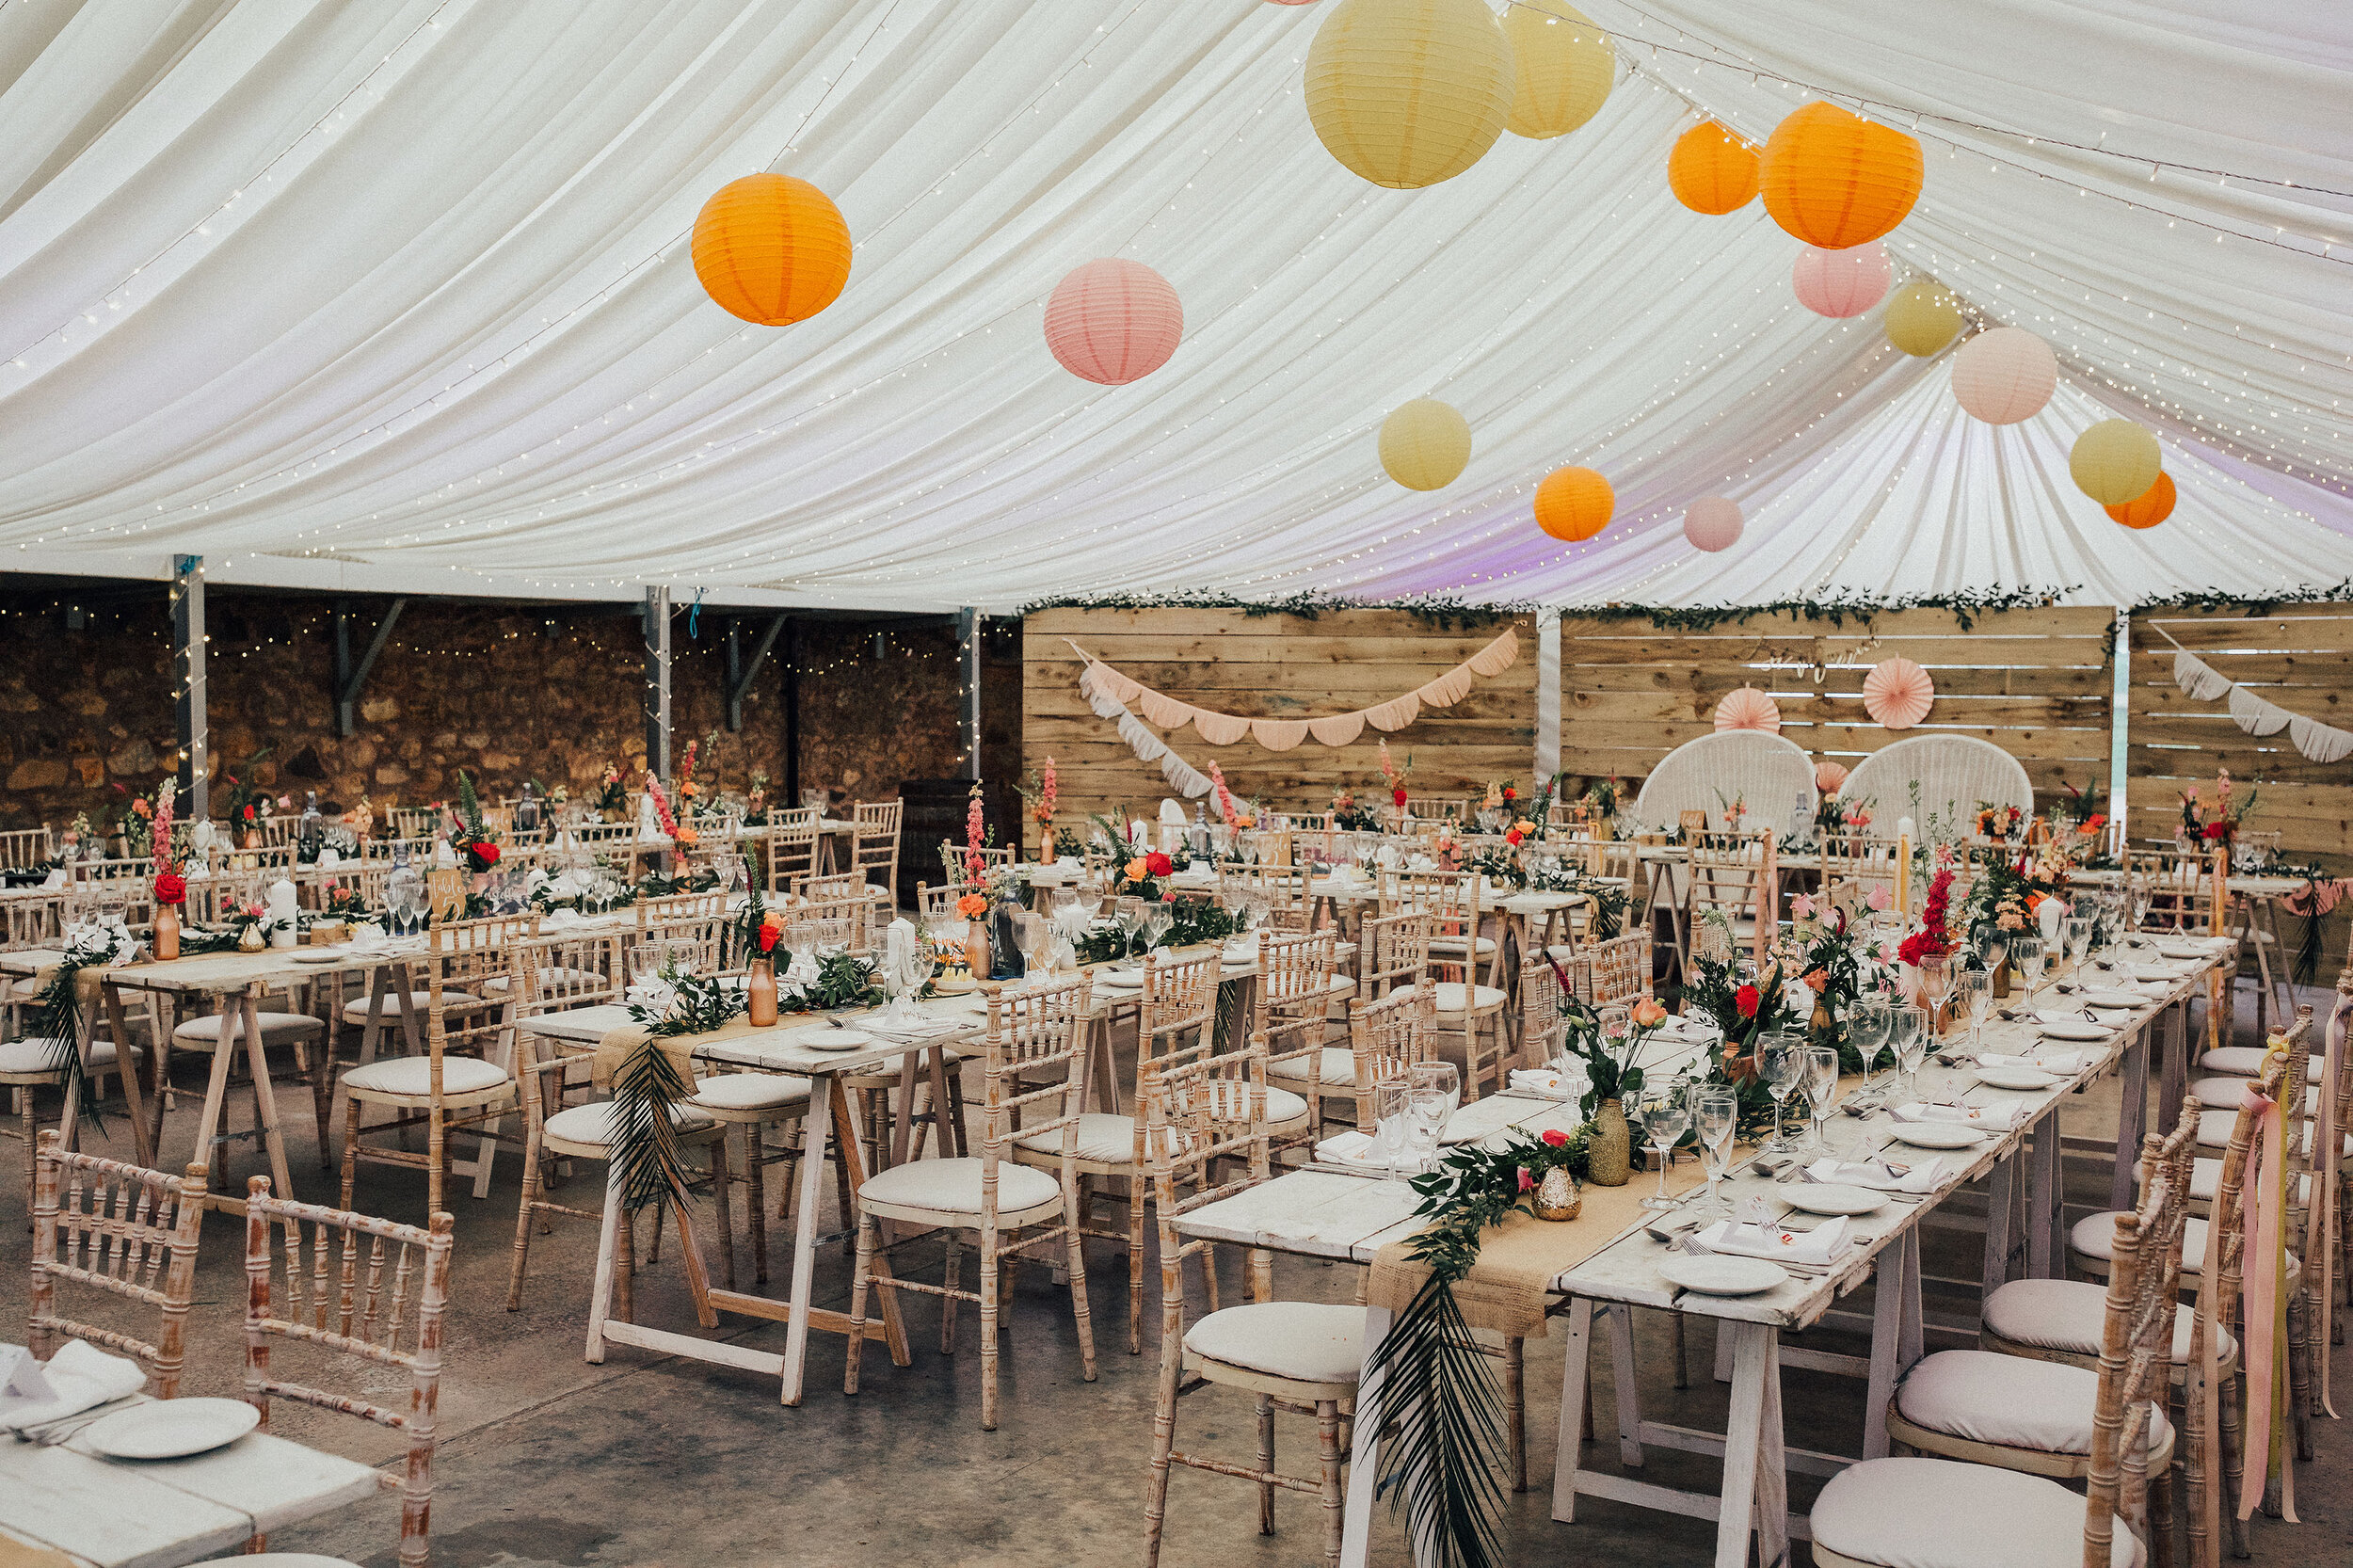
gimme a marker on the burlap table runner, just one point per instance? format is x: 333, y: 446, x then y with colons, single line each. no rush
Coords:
x: 617, y: 1046
x: 19, y: 1553
x: 1506, y: 1290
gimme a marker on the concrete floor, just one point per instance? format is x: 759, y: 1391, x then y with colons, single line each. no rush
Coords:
x: 548, y: 1461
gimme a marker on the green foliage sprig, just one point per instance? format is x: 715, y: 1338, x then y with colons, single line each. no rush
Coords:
x: 1967, y: 604
x: 1444, y: 610
x: 843, y: 980
x: 702, y: 1004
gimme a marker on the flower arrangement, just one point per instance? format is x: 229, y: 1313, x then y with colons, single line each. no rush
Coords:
x: 2219, y: 823
x: 248, y: 804
x: 469, y: 836
x: 672, y: 829
x: 1502, y: 864
x: 975, y: 837
x: 1736, y: 810
x: 1228, y: 811
x: 1835, y: 815
x: 1604, y: 796
x: 612, y: 794
x: 689, y: 793
x: 1393, y: 775
x: 170, y: 887
x: 1042, y: 793
x: 2008, y: 893
x: 1998, y: 821
x: 1613, y: 1067
x: 344, y: 902
x: 1935, y: 938
x: 1349, y: 817
x: 1141, y: 877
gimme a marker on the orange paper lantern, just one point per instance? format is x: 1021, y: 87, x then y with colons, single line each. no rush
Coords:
x: 1575, y: 503
x: 771, y: 249
x: 2151, y: 507
x: 1711, y: 170
x: 1836, y: 181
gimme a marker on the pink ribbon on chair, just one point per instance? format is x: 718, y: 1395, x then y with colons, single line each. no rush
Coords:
x: 2320, y: 1216
x: 2265, y: 1310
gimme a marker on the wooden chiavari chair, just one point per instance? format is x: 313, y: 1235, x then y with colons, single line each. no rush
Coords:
x: 875, y: 842
x: 1616, y: 970
x: 1297, y: 1357
x: 362, y: 1313
x: 1543, y: 1028
x: 412, y: 821
x: 123, y: 1230
x: 1732, y: 875
x: 1392, y: 953
x: 1299, y: 980
x: 698, y: 920
x: 1289, y: 906
x: 1854, y: 864
x: 2181, y: 888
x: 1465, y: 1008
x: 21, y: 847
x: 1034, y: 1055
x: 1437, y: 807
x: 1385, y: 1039
x: 463, y: 1080
x: 829, y: 886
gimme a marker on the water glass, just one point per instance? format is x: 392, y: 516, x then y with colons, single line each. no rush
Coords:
x: 1442, y: 1079
x: 1392, y: 1103
x: 1664, y: 1117
x: 1936, y: 983
x: 2078, y: 940
x: 1822, y: 1088
x: 1715, y: 1115
x: 2027, y: 954
x: 1867, y: 1022
x: 1781, y: 1059
x: 1976, y: 992
x: 1911, y: 1045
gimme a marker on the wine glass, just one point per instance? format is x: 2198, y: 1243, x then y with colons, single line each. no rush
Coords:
x: 1444, y: 1077
x: 1392, y: 1104
x: 1782, y: 1061
x: 1911, y: 1045
x: 2079, y: 940
x: 1158, y: 918
x: 1664, y: 1117
x: 1715, y: 1113
x: 1976, y: 992
x: 1821, y: 1089
x: 1031, y: 935
x: 1936, y: 984
x: 1991, y: 942
x: 2136, y: 902
x: 1866, y: 1027
x: 1129, y: 914
x: 1430, y: 1106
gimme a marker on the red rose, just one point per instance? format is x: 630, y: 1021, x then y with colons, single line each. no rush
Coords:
x: 1509, y: 794
x: 483, y: 854
x: 248, y: 813
x: 1514, y: 837
x: 1169, y: 897
x: 768, y: 938
x: 2216, y: 831
x: 1159, y: 864
x: 1398, y: 795
x: 1747, y: 999
x: 1527, y: 1183
x: 170, y: 888
x: 1557, y: 1138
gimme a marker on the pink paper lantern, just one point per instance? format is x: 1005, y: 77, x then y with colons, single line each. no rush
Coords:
x: 1842, y: 284
x: 2005, y: 375
x: 1712, y: 523
x: 1829, y: 776
x: 1897, y: 692
x: 1749, y: 708
x: 1112, y: 321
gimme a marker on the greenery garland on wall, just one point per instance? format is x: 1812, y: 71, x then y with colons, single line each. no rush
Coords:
x: 1444, y: 611
x: 1966, y: 605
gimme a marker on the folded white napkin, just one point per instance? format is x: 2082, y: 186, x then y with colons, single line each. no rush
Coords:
x: 1243, y: 950
x: 1820, y: 1247
x: 2061, y: 1015
x: 1422, y: 863
x: 1994, y: 1114
x: 1876, y: 1174
x: 1543, y: 1080
x: 2049, y: 1060
x: 566, y: 916
x: 1351, y: 1149
x: 79, y: 1376
x: 922, y: 1029
x: 55, y: 879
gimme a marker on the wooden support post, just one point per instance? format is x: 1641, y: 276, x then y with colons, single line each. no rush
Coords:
x: 657, y: 618
x: 187, y: 668
x: 969, y: 659
x: 741, y: 672
x: 792, y: 657
x: 350, y: 677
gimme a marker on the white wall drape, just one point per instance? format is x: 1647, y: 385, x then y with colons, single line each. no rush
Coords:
x: 395, y: 295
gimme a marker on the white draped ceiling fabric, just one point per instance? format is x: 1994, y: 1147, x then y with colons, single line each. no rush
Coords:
x: 395, y: 295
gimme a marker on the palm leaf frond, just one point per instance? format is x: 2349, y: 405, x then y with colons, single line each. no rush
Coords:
x: 1438, y: 1385
x: 645, y: 1149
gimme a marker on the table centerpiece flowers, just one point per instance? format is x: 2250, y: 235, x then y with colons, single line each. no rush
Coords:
x: 611, y: 800
x: 1349, y: 816
x: 2214, y: 824
x: 470, y: 836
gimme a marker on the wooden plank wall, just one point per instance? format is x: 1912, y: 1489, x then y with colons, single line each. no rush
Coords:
x: 2299, y: 657
x: 2035, y: 682
x: 1271, y: 666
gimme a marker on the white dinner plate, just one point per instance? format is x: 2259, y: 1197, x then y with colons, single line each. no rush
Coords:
x: 2114, y: 998
x: 319, y: 956
x: 2159, y: 971
x: 172, y: 1429
x: 1721, y: 1274
x: 1832, y: 1198
x: 1938, y: 1135
x: 2072, y: 1029
x: 1119, y: 980
x: 2192, y: 951
x: 2015, y: 1078
x: 826, y: 1037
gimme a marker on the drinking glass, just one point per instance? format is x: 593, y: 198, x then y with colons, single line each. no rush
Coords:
x: 1715, y: 1113
x: 1664, y: 1117
x: 1936, y: 984
x: 2136, y: 902
x: 1821, y: 1089
x: 1781, y: 1058
x: 1866, y: 1027
x: 1975, y: 991
x: 1128, y: 913
x: 1444, y: 1078
x: 1426, y: 1113
x: 1990, y: 944
x: 1158, y: 918
x: 2027, y: 954
x: 1032, y: 936
x: 1911, y: 1045
x: 1392, y: 1102
x: 2079, y: 940
x: 1616, y: 1024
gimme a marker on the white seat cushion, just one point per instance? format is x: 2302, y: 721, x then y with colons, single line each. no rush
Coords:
x: 1455, y: 945
x: 954, y: 1186
x: 1282, y: 1106
x: 2244, y: 1061
x: 593, y: 1124
x: 751, y: 1090
x: 277, y: 1029
x: 2071, y: 1315
x: 1986, y: 1396
x: 2228, y: 1093
x: 1307, y: 1340
x: 413, y: 1075
x: 1454, y: 998
x: 1942, y: 1514
x: 1104, y: 1139
x: 551, y: 981
x: 420, y: 1003
x: 41, y: 1054
x: 1338, y: 1067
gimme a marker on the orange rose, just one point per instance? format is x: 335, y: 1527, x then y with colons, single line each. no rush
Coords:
x: 971, y: 906
x: 1138, y: 870
x: 1817, y: 982
x: 1648, y: 1013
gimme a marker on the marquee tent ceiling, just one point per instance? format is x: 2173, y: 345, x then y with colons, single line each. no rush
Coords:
x: 395, y: 295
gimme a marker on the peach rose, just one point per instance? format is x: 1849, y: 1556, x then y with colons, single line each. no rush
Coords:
x: 1648, y: 1013
x: 1138, y: 870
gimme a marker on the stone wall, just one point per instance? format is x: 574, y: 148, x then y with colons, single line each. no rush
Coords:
x: 509, y: 692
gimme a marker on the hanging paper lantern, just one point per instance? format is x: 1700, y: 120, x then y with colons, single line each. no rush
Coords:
x: 1829, y: 776
x: 1841, y: 284
x: 1712, y: 523
x: 2116, y: 461
x: 1897, y: 692
x: 2148, y: 508
x: 1922, y: 317
x: 1749, y: 708
x: 771, y: 249
x: 1575, y: 503
x: 1836, y: 181
x: 1711, y: 170
x: 2005, y: 375
x: 1112, y: 321
x: 1562, y: 68
x: 1409, y: 93
x: 1425, y: 444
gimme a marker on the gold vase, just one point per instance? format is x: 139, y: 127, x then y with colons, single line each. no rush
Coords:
x: 1556, y: 1196
x: 1610, y: 1154
x: 167, y: 943
x: 760, y: 994
x: 250, y: 939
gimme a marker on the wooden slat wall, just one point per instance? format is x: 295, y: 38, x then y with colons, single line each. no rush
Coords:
x: 2035, y: 682
x: 1271, y: 666
x: 2299, y: 657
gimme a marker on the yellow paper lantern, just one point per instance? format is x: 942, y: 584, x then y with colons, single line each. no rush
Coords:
x: 1922, y: 317
x: 771, y: 249
x: 1712, y: 171
x: 1409, y: 93
x: 1835, y: 180
x: 1575, y: 503
x: 1563, y: 68
x: 1425, y: 444
x: 2116, y: 461
x: 2148, y: 508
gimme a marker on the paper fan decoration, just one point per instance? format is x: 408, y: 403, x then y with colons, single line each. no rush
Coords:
x: 1749, y: 708
x: 1829, y: 776
x: 1897, y: 692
